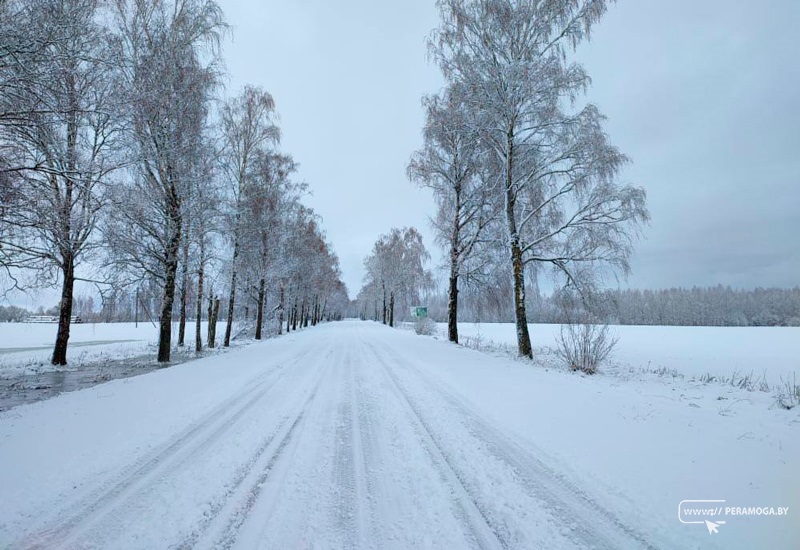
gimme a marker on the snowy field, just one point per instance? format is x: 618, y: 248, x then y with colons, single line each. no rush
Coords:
x: 26, y: 348
x: 36, y: 335
x: 771, y: 353
x: 354, y: 435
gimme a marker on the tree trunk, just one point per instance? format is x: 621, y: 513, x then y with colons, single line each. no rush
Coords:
x: 232, y: 300
x: 452, y: 296
x: 452, y: 308
x: 65, y: 312
x: 280, y: 310
x: 198, y: 335
x: 523, y: 338
x: 231, y: 304
x: 171, y: 264
x: 210, y: 334
x: 260, y: 314
x: 184, y: 291
x: 391, y: 309
x: 165, y: 328
x: 212, y: 341
x: 383, y: 288
x: 520, y: 315
x: 294, y: 316
x: 182, y: 322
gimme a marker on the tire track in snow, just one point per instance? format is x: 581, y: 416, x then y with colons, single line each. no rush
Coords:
x: 365, y: 429
x: 241, y: 475
x: 79, y: 518
x: 590, y: 522
x: 345, y: 498
x: 353, y: 513
x: 470, y: 511
x: 221, y: 528
x: 246, y: 496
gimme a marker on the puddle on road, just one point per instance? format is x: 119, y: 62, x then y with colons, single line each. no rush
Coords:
x: 28, y: 388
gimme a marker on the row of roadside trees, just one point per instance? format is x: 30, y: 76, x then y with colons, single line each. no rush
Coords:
x: 123, y: 165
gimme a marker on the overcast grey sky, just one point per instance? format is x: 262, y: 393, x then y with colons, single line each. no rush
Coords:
x: 702, y: 95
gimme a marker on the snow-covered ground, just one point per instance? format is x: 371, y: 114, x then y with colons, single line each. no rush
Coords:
x: 356, y: 435
x: 772, y: 353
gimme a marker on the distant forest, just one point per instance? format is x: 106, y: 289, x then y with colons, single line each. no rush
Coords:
x: 698, y: 306
x: 707, y: 306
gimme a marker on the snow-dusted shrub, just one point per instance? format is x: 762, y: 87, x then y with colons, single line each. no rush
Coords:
x: 425, y: 326
x: 472, y: 342
x: 749, y: 382
x: 584, y: 347
x: 788, y: 393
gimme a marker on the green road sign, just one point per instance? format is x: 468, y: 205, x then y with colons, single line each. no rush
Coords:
x: 419, y: 311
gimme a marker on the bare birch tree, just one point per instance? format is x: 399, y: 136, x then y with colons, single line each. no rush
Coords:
x: 449, y: 164
x: 62, y: 141
x: 563, y: 204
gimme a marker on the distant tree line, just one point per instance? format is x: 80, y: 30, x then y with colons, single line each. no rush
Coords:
x: 702, y: 306
x: 14, y: 314
x: 698, y: 306
x: 124, y: 165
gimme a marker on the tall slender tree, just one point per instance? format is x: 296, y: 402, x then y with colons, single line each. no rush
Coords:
x: 269, y: 198
x: 563, y: 204
x: 170, y: 81
x: 248, y: 130
x: 449, y: 164
x: 61, y: 142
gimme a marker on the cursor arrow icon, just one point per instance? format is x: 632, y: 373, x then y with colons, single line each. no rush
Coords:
x: 712, y: 527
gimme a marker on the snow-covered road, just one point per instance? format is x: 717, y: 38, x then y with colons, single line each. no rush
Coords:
x: 336, y: 437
